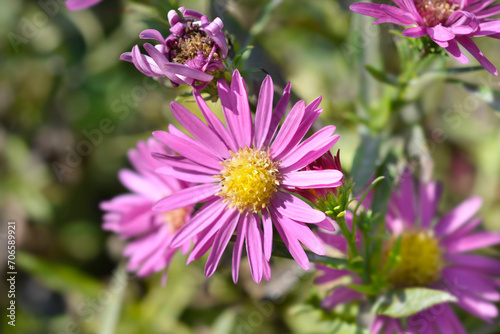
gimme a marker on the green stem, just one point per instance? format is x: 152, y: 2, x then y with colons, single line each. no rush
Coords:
x: 258, y: 27
x: 280, y: 250
x: 353, y: 248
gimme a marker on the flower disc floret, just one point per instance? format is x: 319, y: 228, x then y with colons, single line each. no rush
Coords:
x: 421, y: 259
x: 434, y: 12
x: 175, y: 219
x: 249, y: 180
x: 193, y: 41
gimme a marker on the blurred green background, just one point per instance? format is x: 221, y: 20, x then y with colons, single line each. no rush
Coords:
x: 70, y: 110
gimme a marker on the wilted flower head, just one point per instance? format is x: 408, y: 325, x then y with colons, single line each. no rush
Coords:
x: 80, y: 4
x: 433, y: 254
x: 446, y: 22
x: 194, y: 48
x: 149, y: 233
x: 245, y: 171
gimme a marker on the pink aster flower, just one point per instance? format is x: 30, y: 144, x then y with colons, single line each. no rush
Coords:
x: 446, y: 22
x: 434, y: 254
x: 194, y: 48
x: 326, y: 161
x: 245, y: 172
x: 149, y: 233
x: 80, y: 4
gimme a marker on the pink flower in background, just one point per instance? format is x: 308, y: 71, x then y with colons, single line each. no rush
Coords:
x: 80, y: 4
x: 149, y: 233
x: 194, y: 48
x: 434, y: 254
x: 446, y: 22
x: 244, y: 172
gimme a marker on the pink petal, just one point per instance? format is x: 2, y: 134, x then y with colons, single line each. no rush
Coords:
x: 139, y: 184
x: 188, y: 175
x: 470, y: 46
x: 473, y: 241
x: 456, y: 53
x: 296, y: 209
x: 428, y: 201
x: 214, y: 123
x: 183, y: 163
x: 238, y: 246
x: 415, y: 32
x: 185, y: 197
x: 474, y: 283
x: 199, y: 130
x: 187, y: 149
x: 278, y: 113
x: 80, y: 4
x: 457, y: 217
x: 264, y: 110
x: 310, y: 179
x: 220, y: 243
x: 287, y: 130
x: 290, y: 242
x: 340, y: 295
x: 478, y: 307
x: 254, y: 248
x: 310, y: 150
x: 268, y: 234
x: 152, y: 34
x: 477, y: 263
x: 208, y: 213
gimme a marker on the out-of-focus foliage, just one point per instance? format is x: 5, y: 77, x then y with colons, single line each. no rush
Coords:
x: 70, y: 110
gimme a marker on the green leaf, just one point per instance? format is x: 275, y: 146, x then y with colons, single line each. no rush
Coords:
x: 484, y: 93
x: 405, y: 302
x: 117, y: 289
x: 365, y: 162
x: 239, y: 54
x: 59, y: 277
x: 381, y: 76
x: 459, y: 70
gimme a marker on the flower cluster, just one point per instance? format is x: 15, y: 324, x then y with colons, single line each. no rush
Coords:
x: 260, y: 180
x: 195, y: 48
x: 446, y: 22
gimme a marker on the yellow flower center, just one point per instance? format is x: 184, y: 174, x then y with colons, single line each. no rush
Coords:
x: 175, y: 219
x: 434, y: 12
x: 421, y: 259
x: 249, y: 180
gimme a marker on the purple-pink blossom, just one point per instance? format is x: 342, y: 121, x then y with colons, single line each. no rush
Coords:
x: 447, y: 22
x: 326, y: 161
x: 148, y: 233
x: 194, y: 50
x: 80, y: 4
x: 435, y: 253
x: 244, y: 172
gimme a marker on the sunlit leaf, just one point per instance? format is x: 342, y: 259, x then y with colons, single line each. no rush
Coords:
x: 405, y: 302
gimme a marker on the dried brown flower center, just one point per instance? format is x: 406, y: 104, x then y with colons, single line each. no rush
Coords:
x: 194, y: 40
x: 434, y: 12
